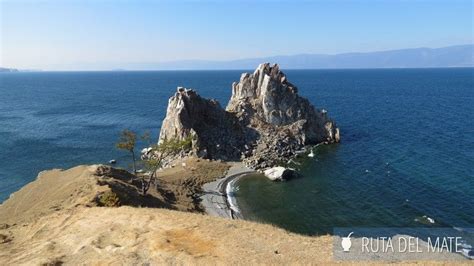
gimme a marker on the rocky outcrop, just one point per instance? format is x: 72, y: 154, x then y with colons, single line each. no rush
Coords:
x: 264, y: 123
x: 286, y: 122
x: 211, y: 128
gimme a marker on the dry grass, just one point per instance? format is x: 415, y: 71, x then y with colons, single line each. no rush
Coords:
x: 180, y: 186
x: 201, y: 170
x: 53, y: 220
x: 128, y: 235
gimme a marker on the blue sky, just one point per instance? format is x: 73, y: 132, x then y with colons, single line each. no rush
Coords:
x: 72, y: 34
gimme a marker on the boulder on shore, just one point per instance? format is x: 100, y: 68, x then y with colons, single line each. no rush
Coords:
x: 280, y: 173
x: 264, y: 123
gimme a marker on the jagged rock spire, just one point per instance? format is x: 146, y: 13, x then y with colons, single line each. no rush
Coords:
x: 265, y: 120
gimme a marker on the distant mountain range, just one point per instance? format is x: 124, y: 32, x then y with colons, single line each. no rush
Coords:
x: 4, y: 69
x: 452, y: 56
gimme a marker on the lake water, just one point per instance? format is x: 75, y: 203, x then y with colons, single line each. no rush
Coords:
x: 407, y: 148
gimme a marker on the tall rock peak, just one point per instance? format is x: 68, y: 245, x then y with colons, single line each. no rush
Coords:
x: 264, y: 123
x: 268, y: 92
x: 204, y: 120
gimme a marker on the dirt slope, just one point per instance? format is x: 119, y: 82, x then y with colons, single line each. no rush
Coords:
x: 128, y: 235
x: 55, y: 220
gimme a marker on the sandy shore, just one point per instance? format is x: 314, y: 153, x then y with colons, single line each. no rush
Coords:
x: 215, y: 195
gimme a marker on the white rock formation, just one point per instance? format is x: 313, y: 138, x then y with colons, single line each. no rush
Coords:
x: 279, y: 173
x: 266, y: 96
x: 265, y: 121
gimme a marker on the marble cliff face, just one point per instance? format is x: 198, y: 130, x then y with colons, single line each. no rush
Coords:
x: 265, y: 122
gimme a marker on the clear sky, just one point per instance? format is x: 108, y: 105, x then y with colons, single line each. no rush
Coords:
x: 70, y: 34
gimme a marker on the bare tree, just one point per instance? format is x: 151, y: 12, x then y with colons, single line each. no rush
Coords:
x: 127, y: 142
x: 158, y: 154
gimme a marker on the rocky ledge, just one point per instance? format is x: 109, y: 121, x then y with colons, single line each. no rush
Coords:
x: 264, y: 124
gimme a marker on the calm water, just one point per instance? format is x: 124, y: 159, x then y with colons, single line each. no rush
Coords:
x: 407, y: 145
x: 407, y: 151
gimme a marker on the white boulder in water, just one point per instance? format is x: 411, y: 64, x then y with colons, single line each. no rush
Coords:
x: 280, y: 173
x: 429, y: 219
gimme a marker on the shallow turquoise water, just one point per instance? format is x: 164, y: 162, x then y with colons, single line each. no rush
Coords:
x: 407, y: 145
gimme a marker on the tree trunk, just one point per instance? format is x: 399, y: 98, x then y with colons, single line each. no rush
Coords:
x: 144, y: 189
x: 146, y: 185
x: 134, y: 163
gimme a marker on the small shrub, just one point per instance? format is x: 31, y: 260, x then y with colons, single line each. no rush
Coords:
x: 108, y: 199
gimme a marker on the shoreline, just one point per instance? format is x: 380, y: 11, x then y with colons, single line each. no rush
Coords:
x: 215, y: 196
x: 55, y: 220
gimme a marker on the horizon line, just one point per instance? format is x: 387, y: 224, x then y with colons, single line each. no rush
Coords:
x: 243, y: 59
x: 221, y: 69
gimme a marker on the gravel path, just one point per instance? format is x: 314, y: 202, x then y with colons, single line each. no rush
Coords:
x: 214, y: 199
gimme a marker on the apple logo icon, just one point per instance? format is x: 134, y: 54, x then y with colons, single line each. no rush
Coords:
x: 346, y: 242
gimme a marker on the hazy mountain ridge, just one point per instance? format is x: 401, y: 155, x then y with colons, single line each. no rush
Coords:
x: 10, y: 70
x: 4, y: 69
x: 452, y: 56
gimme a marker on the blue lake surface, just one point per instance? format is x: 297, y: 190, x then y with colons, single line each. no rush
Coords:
x: 407, y: 145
